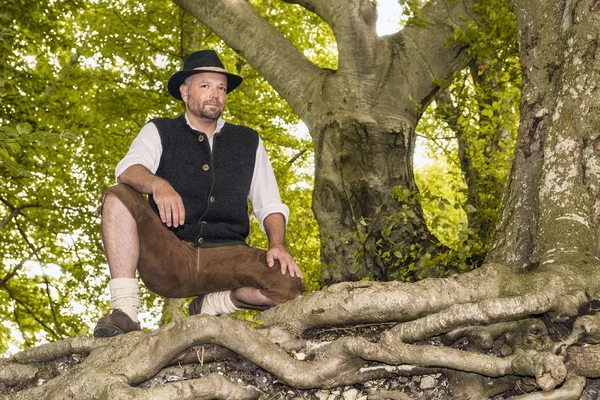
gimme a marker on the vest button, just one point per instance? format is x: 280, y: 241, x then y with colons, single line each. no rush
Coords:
x: 201, y: 138
x: 200, y: 240
x: 212, y: 199
x: 205, y: 167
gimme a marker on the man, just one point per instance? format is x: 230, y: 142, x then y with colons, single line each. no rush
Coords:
x: 188, y: 239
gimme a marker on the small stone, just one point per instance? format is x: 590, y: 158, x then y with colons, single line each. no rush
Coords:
x: 322, y: 394
x: 332, y: 397
x: 350, y: 394
x: 428, y: 382
x: 363, y: 398
x: 40, y: 382
x: 300, y: 356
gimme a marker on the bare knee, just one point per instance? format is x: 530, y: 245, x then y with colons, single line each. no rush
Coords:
x: 114, y: 197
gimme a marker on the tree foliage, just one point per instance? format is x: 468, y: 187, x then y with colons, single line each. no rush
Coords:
x: 527, y: 320
x: 96, y: 72
x: 472, y: 128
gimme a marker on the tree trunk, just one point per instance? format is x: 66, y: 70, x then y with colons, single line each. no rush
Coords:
x: 552, y: 205
x: 361, y: 118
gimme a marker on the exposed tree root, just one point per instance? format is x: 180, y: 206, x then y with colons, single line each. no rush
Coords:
x: 571, y: 390
x: 485, y: 312
x: 387, y: 394
x: 210, y: 387
x: 11, y: 374
x: 116, y: 366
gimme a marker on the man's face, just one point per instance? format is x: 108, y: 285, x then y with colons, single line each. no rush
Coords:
x: 206, y: 95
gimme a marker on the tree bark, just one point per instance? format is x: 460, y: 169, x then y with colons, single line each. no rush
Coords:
x: 551, y: 207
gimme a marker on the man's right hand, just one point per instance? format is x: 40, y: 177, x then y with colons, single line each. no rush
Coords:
x: 169, y: 203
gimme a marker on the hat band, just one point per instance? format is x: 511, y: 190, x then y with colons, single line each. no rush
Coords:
x: 212, y: 69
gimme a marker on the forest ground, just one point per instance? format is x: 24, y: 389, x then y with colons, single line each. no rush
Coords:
x: 432, y: 385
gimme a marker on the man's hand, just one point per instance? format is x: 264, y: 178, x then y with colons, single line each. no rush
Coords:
x: 169, y: 203
x: 288, y: 265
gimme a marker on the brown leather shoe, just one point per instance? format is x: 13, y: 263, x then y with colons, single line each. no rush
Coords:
x: 196, y: 305
x: 115, y: 323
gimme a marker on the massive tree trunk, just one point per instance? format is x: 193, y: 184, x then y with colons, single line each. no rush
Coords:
x: 552, y: 205
x: 361, y: 117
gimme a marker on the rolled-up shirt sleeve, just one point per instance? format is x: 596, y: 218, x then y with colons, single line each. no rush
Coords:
x: 145, y: 150
x: 264, y: 192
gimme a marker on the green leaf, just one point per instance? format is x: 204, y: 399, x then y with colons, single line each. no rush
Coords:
x: 67, y: 134
x: 9, y: 131
x: 24, y: 128
x: 487, y: 113
x: 50, y: 140
x: 13, y: 145
x: 32, y: 137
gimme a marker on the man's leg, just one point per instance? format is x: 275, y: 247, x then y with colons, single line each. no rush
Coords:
x: 120, y: 239
x: 121, y: 245
x: 136, y: 239
x: 249, y: 297
x: 230, y: 301
x: 238, y: 277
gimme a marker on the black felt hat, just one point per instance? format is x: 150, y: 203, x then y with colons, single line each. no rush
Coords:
x: 201, y: 61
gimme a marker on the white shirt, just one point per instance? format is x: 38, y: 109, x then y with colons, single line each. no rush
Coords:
x: 146, y: 150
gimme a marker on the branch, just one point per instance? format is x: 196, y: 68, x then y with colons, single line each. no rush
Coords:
x: 33, y: 315
x: 14, y: 211
x: 297, y: 156
x: 263, y: 46
x: 428, y: 49
x: 14, y: 271
x: 353, y: 23
x: 44, y: 276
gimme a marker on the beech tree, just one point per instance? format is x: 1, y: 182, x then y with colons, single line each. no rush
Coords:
x: 540, y: 275
x: 361, y: 117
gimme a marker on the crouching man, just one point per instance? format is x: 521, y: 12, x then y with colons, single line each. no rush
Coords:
x: 188, y: 239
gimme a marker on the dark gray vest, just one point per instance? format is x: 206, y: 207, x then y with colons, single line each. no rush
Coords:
x: 214, y: 185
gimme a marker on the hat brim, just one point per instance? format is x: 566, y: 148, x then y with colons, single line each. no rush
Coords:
x: 177, y: 79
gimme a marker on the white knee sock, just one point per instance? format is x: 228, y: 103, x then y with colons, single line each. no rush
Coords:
x: 124, y: 295
x: 218, y: 303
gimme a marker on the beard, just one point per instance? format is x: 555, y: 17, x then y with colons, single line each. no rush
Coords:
x: 203, y: 110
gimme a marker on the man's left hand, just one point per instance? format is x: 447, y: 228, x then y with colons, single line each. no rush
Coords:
x: 288, y: 265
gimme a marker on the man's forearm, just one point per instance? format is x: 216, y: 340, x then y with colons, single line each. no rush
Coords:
x: 275, y: 228
x: 140, y: 178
